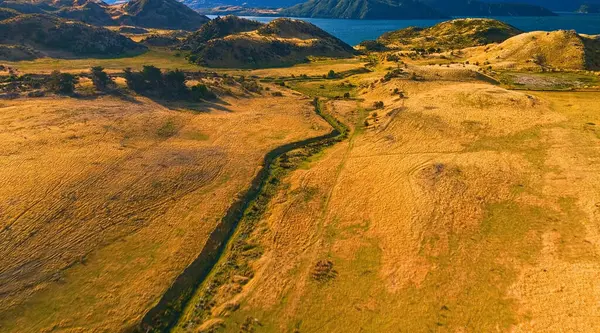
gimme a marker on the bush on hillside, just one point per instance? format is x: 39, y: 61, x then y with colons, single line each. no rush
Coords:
x: 201, y: 91
x: 168, y: 85
x: 372, y: 45
x: 62, y: 83
x: 332, y: 74
x: 101, y: 80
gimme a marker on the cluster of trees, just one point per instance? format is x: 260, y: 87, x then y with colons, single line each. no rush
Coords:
x: 61, y: 83
x: 64, y: 83
x: 168, y: 85
x: 372, y: 45
x: 149, y: 81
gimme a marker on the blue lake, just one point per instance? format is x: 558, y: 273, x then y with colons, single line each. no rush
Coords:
x: 355, y: 31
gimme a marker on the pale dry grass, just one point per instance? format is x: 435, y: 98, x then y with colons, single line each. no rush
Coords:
x: 557, y: 49
x: 105, y: 201
x: 464, y: 207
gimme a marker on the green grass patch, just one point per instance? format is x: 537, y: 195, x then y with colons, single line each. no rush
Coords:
x: 161, y: 58
x: 324, y: 88
x: 167, y: 130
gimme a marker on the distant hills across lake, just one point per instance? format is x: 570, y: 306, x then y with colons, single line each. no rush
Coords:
x: 355, y: 31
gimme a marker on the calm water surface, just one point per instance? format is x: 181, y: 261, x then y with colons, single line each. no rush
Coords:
x: 355, y: 31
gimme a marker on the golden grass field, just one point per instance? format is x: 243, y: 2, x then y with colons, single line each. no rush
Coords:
x: 105, y: 201
x: 461, y: 207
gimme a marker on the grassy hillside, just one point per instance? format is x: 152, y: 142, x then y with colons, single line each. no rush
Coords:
x: 279, y: 43
x: 454, y: 34
x: 363, y: 9
x: 6, y: 13
x: 487, y: 8
x: 164, y: 14
x: 561, y: 49
x: 218, y: 28
x: 90, y: 12
x: 58, y: 37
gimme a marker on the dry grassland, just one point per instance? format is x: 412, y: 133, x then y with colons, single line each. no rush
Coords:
x: 463, y: 207
x: 104, y: 201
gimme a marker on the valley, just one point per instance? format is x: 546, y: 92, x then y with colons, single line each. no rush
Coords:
x: 250, y: 177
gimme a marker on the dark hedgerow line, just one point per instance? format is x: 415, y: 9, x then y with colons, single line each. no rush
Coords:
x: 228, y: 249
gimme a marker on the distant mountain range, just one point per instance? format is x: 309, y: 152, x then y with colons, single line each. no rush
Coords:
x: 165, y: 14
x: 375, y: 9
x: 554, y: 5
x: 364, y: 9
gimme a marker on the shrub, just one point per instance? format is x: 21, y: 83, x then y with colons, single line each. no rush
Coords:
x: 100, y: 79
x: 277, y: 94
x: 62, y: 83
x: 347, y: 95
x: 201, y: 91
x: 253, y: 86
x: 332, y: 74
x: 173, y: 85
x: 153, y: 77
x: 392, y: 57
x: 378, y: 105
x: 392, y: 74
x: 372, y: 45
x: 135, y: 80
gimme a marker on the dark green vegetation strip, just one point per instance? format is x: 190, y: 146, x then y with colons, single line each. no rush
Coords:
x: 243, y: 216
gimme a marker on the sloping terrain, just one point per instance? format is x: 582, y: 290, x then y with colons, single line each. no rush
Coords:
x: 461, y: 206
x: 164, y: 14
x: 218, y: 28
x: 6, y: 13
x: 454, y: 34
x: 363, y: 9
x: 57, y: 37
x: 103, y: 202
x: 487, y: 8
x: 278, y: 43
x: 538, y: 50
x: 91, y: 12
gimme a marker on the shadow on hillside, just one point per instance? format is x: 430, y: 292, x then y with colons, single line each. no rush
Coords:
x: 115, y: 93
x: 198, y: 107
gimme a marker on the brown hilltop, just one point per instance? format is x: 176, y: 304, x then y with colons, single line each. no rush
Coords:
x: 61, y: 38
x: 454, y: 34
x: 278, y: 43
x: 560, y: 49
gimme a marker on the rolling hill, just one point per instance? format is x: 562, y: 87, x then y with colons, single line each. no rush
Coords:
x: 164, y: 14
x: 61, y: 38
x: 480, y: 8
x: 278, y: 43
x: 161, y: 14
x: 218, y: 28
x: 363, y: 9
x: 565, y: 50
x: 454, y: 34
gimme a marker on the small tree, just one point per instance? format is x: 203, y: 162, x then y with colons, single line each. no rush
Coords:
x: 378, y: 105
x: 201, y: 91
x: 347, y: 95
x: 135, y: 80
x: 100, y: 79
x: 174, y: 85
x: 331, y: 74
x: 62, y: 83
x: 372, y: 45
x: 153, y: 77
